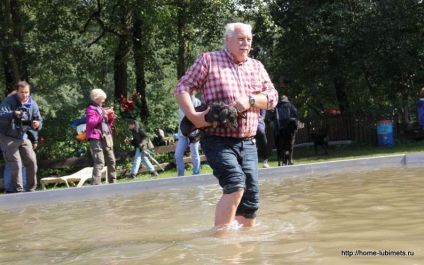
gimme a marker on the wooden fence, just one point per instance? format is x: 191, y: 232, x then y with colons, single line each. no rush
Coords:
x: 359, y: 130
x: 340, y: 128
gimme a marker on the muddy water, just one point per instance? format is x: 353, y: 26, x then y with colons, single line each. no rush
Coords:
x: 369, y: 217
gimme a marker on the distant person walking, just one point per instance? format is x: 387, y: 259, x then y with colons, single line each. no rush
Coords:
x: 285, y: 117
x: 283, y: 113
x: 140, y: 140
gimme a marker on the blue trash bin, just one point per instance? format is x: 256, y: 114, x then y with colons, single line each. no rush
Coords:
x: 385, y: 133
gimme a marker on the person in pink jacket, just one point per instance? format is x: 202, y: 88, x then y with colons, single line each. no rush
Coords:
x: 99, y: 134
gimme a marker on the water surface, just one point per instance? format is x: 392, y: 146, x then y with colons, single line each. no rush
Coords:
x: 363, y: 217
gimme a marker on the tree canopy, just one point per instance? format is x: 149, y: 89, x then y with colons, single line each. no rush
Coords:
x: 361, y: 57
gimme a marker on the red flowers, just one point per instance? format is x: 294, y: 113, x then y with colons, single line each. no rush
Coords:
x: 130, y: 106
x: 332, y: 111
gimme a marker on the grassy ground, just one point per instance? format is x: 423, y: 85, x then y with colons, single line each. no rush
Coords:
x: 304, y: 155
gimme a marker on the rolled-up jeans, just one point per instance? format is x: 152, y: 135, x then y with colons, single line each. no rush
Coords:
x: 182, y: 144
x: 235, y: 164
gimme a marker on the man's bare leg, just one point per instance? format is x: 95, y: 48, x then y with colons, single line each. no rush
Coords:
x: 246, y: 222
x: 226, y: 208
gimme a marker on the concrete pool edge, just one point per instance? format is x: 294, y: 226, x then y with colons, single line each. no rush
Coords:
x: 10, y: 201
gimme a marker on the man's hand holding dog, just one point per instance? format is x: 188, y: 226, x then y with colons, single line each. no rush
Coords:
x: 242, y: 104
x: 196, y: 118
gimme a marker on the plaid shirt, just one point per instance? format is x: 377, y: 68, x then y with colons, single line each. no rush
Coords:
x: 219, y: 79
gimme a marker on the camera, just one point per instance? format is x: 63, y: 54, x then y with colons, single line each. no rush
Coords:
x: 24, y: 120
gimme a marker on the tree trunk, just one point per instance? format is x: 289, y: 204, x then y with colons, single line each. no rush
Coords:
x: 182, y: 47
x: 120, y: 68
x: 121, y: 58
x: 13, y: 50
x: 341, y: 95
x: 139, y: 64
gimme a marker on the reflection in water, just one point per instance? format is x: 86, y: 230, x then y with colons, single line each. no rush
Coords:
x: 303, y: 220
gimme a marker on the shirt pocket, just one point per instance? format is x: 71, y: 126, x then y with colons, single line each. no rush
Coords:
x: 255, y: 85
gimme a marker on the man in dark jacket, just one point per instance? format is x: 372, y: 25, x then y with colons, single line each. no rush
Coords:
x: 285, y: 117
x: 283, y: 113
x: 19, y: 113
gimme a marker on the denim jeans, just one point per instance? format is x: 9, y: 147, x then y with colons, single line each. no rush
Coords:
x: 182, y: 144
x: 235, y: 164
x: 7, y: 178
x: 138, y: 158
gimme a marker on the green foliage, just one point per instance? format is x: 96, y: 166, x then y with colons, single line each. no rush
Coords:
x: 373, y: 48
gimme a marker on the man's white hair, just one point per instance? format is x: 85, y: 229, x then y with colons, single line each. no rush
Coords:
x: 230, y: 28
x: 97, y: 93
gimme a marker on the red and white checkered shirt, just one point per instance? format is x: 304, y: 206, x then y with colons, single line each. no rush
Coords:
x: 218, y: 78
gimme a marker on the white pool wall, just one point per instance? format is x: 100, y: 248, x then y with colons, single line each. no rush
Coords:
x: 38, y: 198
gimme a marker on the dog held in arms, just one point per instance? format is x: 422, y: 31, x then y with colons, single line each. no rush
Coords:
x: 220, y: 114
x: 284, y: 141
x: 320, y: 138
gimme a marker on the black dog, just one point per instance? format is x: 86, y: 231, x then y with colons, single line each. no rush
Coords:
x: 320, y: 138
x: 284, y: 141
x: 220, y: 114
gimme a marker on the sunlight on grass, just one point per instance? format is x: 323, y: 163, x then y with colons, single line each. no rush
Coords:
x: 305, y: 155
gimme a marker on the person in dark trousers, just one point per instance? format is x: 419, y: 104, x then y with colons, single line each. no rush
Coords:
x: 99, y: 134
x: 285, y: 118
x: 261, y: 139
x: 7, y: 176
x: 19, y: 113
x: 283, y: 113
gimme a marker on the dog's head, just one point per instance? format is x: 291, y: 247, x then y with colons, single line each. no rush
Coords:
x: 221, y: 114
x: 213, y: 116
x: 230, y: 114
